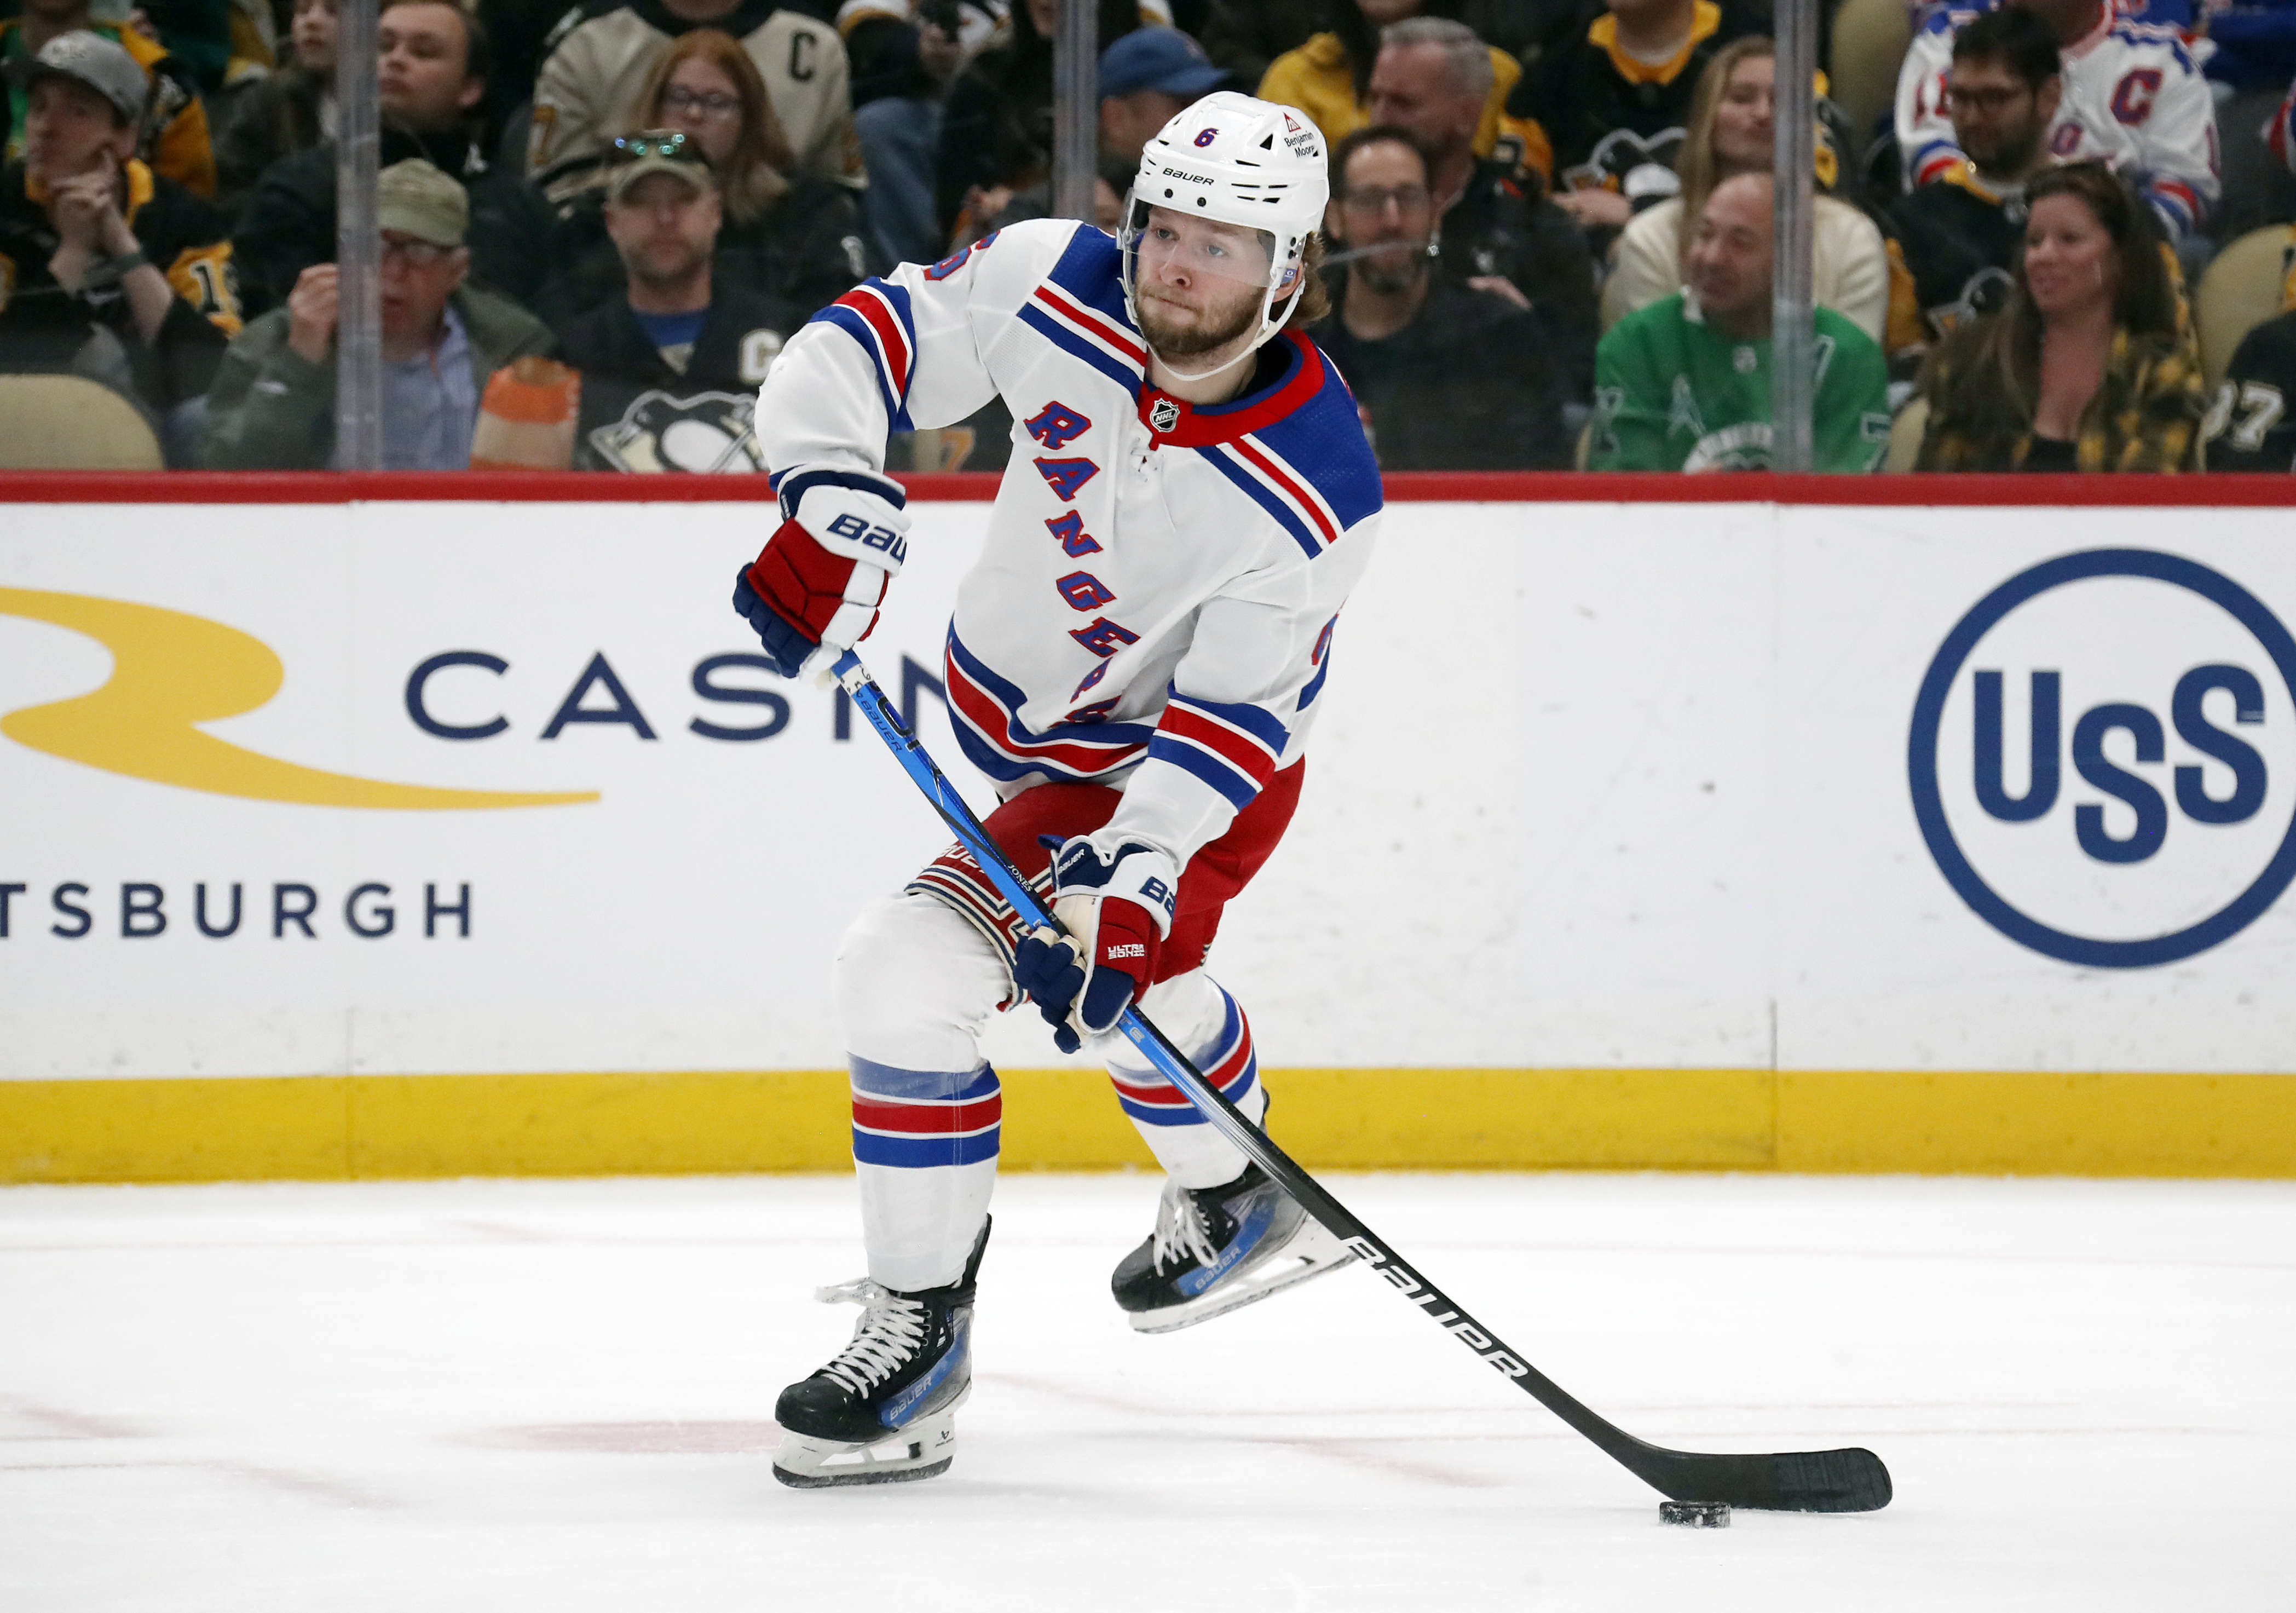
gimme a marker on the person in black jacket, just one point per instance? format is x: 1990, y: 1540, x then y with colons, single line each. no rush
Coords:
x: 1447, y: 378
x: 670, y: 369
x: 1602, y: 114
x: 106, y: 268
x: 432, y: 76
x: 287, y: 111
x: 2250, y: 426
x: 1499, y: 234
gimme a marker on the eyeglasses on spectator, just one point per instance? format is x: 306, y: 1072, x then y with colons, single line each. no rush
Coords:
x: 1988, y: 101
x: 414, y: 251
x: 715, y: 103
x: 1371, y: 200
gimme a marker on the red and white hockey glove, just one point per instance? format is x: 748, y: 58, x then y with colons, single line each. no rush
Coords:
x: 813, y: 593
x: 1114, y: 898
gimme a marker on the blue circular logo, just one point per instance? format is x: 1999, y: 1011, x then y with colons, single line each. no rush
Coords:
x: 1929, y: 713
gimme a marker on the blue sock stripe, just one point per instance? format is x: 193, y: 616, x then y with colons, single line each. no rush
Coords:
x: 921, y: 1153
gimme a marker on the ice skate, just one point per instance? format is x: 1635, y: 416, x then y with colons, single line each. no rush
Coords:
x: 884, y: 1410
x: 1216, y: 1249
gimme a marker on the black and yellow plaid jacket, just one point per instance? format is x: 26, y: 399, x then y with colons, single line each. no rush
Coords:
x: 2145, y: 417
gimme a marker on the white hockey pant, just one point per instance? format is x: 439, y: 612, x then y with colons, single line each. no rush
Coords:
x: 914, y: 987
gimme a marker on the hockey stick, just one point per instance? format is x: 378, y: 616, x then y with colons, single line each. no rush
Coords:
x: 1795, y: 1481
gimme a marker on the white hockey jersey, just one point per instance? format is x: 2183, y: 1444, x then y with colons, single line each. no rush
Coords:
x: 2133, y: 98
x: 1154, y: 605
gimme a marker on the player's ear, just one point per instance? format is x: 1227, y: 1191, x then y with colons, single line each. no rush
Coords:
x: 2046, y: 98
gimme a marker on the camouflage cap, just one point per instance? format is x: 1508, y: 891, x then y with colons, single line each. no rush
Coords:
x: 416, y: 199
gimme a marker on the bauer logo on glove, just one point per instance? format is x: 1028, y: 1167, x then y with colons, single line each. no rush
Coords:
x: 813, y: 593
x: 1113, y: 898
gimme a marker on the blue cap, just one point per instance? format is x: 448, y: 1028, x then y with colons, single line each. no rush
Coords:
x: 1157, y: 58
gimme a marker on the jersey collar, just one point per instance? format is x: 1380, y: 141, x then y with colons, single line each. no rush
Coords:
x: 1176, y: 423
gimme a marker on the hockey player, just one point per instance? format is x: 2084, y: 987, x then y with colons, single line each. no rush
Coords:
x: 1135, y: 661
x: 2133, y: 98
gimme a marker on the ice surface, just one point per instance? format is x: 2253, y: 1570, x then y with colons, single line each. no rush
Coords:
x: 523, y: 1395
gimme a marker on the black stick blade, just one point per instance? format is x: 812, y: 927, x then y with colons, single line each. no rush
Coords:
x: 1791, y: 1481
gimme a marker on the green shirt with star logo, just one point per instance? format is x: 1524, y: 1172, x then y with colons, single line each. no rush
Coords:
x: 1673, y: 393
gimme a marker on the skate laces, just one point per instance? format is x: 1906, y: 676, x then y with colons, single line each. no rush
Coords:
x: 891, y: 1329
x: 1183, y: 1231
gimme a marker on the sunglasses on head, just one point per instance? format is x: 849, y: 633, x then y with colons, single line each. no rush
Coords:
x: 667, y: 144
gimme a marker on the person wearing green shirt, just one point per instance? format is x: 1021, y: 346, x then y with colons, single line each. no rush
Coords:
x: 1684, y: 384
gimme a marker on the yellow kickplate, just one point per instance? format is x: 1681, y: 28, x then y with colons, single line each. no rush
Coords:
x: 716, y: 1122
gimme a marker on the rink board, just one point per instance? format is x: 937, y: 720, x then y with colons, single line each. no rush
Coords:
x: 1630, y: 838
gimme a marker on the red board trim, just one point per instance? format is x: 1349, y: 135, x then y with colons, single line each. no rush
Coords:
x: 1409, y: 486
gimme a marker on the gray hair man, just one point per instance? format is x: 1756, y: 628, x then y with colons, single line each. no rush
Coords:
x: 273, y: 403
x: 1432, y: 79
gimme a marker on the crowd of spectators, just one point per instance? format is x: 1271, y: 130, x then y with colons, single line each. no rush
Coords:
x: 1549, y: 238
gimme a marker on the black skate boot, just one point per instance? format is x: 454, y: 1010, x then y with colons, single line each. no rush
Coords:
x: 1216, y: 1249
x: 884, y: 1408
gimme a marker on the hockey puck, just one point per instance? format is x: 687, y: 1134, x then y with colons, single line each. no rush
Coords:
x: 1695, y: 1514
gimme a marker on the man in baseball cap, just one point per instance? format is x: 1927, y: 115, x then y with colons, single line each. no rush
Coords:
x: 273, y: 405
x: 1147, y: 78
x: 46, y: 38
x: 91, y: 238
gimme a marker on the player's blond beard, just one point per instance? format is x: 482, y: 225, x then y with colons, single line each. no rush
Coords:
x: 1174, y: 341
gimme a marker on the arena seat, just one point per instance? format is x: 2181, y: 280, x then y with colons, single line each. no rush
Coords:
x: 68, y: 423
x: 1870, y: 38
x: 1905, y: 436
x: 2245, y: 286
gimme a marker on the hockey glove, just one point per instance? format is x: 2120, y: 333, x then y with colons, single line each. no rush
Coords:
x: 1114, y: 898
x: 813, y: 593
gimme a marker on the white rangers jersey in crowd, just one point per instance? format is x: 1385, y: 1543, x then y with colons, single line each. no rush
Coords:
x: 2133, y: 97
x: 1154, y: 605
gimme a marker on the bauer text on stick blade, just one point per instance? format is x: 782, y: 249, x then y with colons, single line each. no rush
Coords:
x: 1848, y: 1480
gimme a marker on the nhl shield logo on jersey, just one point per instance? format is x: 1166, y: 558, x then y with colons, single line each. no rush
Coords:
x: 1163, y: 414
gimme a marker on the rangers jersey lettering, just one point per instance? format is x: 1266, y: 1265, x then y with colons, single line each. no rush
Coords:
x: 1152, y: 609
x: 2133, y: 98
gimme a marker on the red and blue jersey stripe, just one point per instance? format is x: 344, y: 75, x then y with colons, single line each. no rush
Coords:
x: 1232, y: 748
x: 986, y: 710
x: 1079, y: 309
x: 1295, y: 448
x: 876, y: 315
x: 916, y: 1119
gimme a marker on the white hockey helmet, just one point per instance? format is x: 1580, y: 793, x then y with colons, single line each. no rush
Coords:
x: 1241, y: 161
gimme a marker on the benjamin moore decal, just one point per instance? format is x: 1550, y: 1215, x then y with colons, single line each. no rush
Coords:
x: 171, y: 671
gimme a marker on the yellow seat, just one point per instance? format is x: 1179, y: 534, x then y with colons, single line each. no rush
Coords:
x: 1905, y: 432
x: 2243, y: 287
x: 1870, y: 38
x: 68, y: 423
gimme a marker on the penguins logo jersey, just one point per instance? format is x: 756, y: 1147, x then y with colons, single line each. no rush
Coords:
x: 705, y: 433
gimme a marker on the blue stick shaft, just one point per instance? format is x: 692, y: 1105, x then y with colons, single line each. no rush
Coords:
x: 1825, y: 1481
x: 1136, y: 1027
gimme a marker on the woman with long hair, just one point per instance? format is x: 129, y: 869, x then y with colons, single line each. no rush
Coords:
x: 706, y: 87
x: 1732, y: 131
x: 2085, y: 367
x: 795, y: 237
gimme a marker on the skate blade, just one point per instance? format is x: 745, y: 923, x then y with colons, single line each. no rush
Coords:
x: 921, y: 1451
x: 1311, y: 1253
